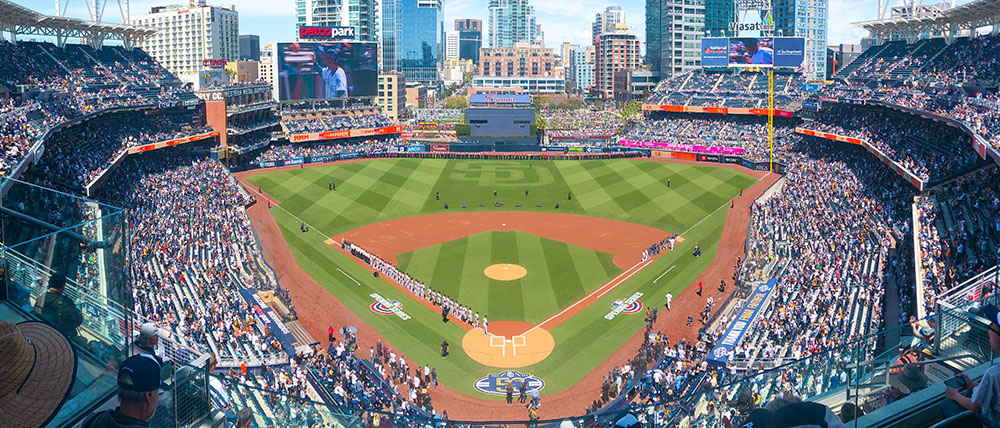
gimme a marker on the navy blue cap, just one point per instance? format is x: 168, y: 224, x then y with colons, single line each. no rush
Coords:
x: 145, y: 372
x: 758, y: 418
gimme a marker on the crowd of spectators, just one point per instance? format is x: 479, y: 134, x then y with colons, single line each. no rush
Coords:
x: 727, y: 89
x: 336, y: 123
x: 582, y: 122
x: 300, y: 150
x: 74, y: 156
x: 959, y: 232
x: 920, y: 146
x: 438, y: 115
x: 744, y: 132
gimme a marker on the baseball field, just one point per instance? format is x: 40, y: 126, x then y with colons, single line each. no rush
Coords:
x: 546, y: 259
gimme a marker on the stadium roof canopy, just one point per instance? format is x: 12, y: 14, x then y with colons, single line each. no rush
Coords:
x: 970, y: 16
x: 17, y: 19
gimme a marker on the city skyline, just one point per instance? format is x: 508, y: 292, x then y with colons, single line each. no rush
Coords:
x: 562, y: 20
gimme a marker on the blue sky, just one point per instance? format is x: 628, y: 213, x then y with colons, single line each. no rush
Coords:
x: 561, y: 20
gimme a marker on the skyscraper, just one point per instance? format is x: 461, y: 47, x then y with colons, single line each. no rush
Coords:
x: 605, y: 21
x: 718, y: 15
x: 359, y: 14
x: 470, y: 38
x: 249, y: 47
x: 451, y: 45
x: 513, y: 21
x: 615, y: 51
x: 674, y: 29
x: 581, y: 68
x: 808, y: 19
x: 419, y: 50
x: 189, y: 34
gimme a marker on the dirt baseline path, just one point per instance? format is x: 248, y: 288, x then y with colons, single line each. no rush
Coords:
x: 319, y: 309
x: 624, y: 240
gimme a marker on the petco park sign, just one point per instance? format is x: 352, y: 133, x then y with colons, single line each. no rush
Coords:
x: 314, y: 32
x: 499, y: 99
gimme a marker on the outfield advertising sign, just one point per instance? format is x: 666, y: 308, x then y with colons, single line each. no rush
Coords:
x: 789, y: 51
x: 715, y: 52
x: 742, y: 322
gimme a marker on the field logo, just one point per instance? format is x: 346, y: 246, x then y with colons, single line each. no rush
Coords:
x: 501, y: 174
x: 634, y: 308
x: 496, y: 384
x: 630, y: 305
x: 386, y: 307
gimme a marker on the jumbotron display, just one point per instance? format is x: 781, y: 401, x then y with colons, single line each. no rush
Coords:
x: 316, y: 70
x: 752, y: 52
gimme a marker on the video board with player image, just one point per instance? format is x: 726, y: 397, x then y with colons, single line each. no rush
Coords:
x: 315, y: 70
x: 751, y: 52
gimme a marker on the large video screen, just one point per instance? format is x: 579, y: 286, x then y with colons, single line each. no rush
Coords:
x: 714, y: 52
x: 312, y: 70
x: 789, y: 51
x: 751, y: 52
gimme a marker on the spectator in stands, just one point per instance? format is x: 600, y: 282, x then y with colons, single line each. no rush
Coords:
x: 787, y: 411
x: 981, y: 397
x: 38, y: 368
x: 145, y: 343
x: 56, y: 308
x: 244, y: 419
x: 138, y: 392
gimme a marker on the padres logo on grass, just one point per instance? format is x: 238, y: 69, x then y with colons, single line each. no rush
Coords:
x: 496, y: 384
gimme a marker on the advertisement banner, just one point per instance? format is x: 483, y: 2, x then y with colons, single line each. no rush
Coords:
x: 212, y: 78
x: 350, y: 155
x: 732, y: 159
x: 325, y: 158
x: 439, y: 147
x: 268, y: 164
x: 416, y: 148
x: 295, y: 161
x: 979, y: 144
x: 595, y: 150
x: 749, y: 164
x: 313, y: 32
x: 345, y: 133
x: 708, y: 158
x: 315, y: 70
x: 789, y: 51
x: 715, y: 52
x: 751, y: 52
x: 676, y: 147
x: 684, y: 156
x: 553, y: 148
x: 742, y: 322
x: 271, y: 318
x: 168, y: 143
x: 575, y: 149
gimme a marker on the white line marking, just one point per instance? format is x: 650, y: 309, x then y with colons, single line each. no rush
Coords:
x: 275, y: 204
x: 664, y: 273
x: 349, y: 277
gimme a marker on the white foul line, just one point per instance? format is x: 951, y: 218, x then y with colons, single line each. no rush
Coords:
x: 349, y: 277
x: 664, y: 273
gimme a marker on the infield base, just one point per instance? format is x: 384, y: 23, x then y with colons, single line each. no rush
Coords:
x: 510, y: 344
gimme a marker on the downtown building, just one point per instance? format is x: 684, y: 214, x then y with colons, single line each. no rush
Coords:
x: 470, y: 38
x: 613, y: 52
x: 513, y: 21
x: 523, y: 67
x: 580, y: 74
x: 357, y: 14
x: 418, y: 49
x: 674, y: 29
x: 807, y: 19
x: 190, y: 34
x: 605, y: 21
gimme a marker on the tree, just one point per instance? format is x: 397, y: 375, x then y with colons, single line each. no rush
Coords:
x: 632, y: 110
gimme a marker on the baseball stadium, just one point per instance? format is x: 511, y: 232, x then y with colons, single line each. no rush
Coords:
x: 736, y: 246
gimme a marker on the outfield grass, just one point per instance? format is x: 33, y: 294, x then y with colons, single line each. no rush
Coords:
x: 630, y: 190
x: 558, y: 273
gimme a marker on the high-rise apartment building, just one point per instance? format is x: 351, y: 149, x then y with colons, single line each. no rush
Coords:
x: 565, y: 54
x: 468, y: 25
x: 249, y: 47
x: 190, y: 34
x: 419, y: 50
x: 674, y: 29
x: 451, y: 45
x: 581, y: 68
x: 513, y: 21
x: 266, y: 68
x: 359, y: 14
x: 605, y: 21
x: 614, y: 52
x: 808, y: 19
x: 522, y: 60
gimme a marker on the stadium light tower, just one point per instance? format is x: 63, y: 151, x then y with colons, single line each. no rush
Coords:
x: 95, y: 8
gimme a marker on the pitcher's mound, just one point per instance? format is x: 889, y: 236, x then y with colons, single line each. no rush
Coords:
x: 510, y: 344
x: 505, y: 272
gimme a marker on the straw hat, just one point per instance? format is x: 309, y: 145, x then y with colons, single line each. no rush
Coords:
x: 37, y: 369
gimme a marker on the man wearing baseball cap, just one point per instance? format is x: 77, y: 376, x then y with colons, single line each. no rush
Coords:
x: 981, y: 397
x: 138, y: 392
x: 146, y: 341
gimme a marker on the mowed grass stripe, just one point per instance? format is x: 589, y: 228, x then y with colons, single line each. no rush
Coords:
x: 587, y: 191
x: 538, y: 296
x: 477, y: 256
x: 447, y: 267
x: 504, y: 296
x: 411, y: 195
x: 563, y: 276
